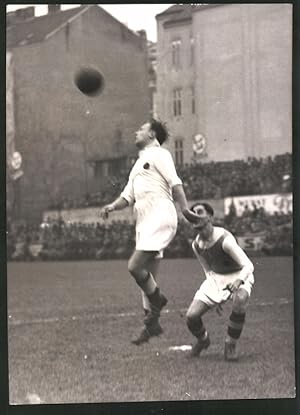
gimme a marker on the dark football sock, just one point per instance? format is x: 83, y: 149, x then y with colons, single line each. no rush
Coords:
x: 196, y: 327
x: 236, y: 324
x: 155, y: 298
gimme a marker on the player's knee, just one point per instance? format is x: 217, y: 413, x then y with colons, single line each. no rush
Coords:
x: 132, y: 268
x: 140, y: 275
x: 192, y: 318
x: 240, y: 300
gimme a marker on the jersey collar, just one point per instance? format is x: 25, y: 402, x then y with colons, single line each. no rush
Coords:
x: 154, y: 143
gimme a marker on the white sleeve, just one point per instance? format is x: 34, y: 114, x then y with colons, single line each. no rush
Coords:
x: 127, y: 192
x: 165, y: 165
x: 232, y: 248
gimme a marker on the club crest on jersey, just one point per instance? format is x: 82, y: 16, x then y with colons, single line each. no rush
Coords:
x: 146, y: 166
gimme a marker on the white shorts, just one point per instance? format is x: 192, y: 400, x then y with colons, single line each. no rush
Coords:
x: 156, y: 224
x: 211, y: 291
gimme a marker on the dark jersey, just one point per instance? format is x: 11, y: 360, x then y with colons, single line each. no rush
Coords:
x: 216, y: 258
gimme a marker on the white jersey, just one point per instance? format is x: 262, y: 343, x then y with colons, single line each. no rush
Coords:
x: 153, y: 173
x: 149, y: 189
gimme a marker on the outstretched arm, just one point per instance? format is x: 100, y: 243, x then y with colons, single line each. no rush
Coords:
x: 118, y: 204
x: 180, y: 198
x: 125, y: 199
x: 165, y: 165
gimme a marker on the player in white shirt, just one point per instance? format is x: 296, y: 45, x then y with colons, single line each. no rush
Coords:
x: 152, y: 188
x: 229, y: 275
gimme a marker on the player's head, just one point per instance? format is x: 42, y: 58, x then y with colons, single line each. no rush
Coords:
x: 160, y: 130
x: 200, y: 206
x: 150, y: 131
x: 205, y: 212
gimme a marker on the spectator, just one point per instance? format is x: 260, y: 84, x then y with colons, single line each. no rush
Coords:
x: 210, y: 180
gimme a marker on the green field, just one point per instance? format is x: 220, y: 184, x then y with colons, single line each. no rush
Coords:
x: 70, y: 326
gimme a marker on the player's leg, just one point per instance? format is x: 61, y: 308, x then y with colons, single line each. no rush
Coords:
x: 155, y: 328
x: 152, y: 266
x: 139, y: 266
x: 236, y: 323
x: 195, y: 325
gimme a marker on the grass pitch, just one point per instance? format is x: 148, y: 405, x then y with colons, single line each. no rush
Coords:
x: 70, y: 326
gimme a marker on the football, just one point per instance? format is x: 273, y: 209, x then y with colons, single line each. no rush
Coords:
x: 89, y: 81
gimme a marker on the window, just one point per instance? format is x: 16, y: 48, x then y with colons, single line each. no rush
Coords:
x: 176, y: 44
x: 193, y: 103
x: 177, y: 102
x: 192, y: 50
x: 178, y: 152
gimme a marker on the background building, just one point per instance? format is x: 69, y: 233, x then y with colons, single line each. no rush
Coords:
x: 71, y: 145
x: 224, y: 80
x: 152, y: 61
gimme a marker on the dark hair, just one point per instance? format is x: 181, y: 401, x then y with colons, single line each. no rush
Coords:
x: 208, y: 208
x: 160, y: 130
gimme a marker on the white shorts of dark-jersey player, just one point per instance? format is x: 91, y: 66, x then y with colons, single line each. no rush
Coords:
x: 153, y: 186
x: 229, y: 275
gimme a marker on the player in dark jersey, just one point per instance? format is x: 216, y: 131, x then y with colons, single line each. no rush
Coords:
x: 229, y: 274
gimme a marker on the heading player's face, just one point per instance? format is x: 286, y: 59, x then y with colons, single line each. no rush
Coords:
x: 143, y: 136
x: 204, y: 217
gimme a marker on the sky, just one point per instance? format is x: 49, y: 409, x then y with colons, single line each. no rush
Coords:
x: 135, y: 16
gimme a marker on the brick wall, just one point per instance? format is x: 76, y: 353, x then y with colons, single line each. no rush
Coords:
x: 57, y: 127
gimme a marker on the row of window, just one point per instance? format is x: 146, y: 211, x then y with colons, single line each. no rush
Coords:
x: 177, y: 101
x: 178, y: 152
x: 111, y: 168
x: 176, y: 48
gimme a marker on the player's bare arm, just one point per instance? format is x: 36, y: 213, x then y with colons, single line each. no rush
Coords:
x: 119, y: 204
x: 180, y: 198
x: 165, y: 165
x: 231, y: 247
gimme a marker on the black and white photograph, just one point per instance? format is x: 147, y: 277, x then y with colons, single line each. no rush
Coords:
x: 149, y: 203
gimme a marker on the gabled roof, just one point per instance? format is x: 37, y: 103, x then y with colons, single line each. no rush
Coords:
x: 180, y: 12
x: 176, y: 11
x: 39, y: 28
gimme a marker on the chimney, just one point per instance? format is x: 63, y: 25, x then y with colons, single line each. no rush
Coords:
x: 25, y: 13
x: 20, y: 15
x: 53, y: 8
x: 142, y: 33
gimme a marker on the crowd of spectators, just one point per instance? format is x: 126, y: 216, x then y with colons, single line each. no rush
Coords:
x: 212, y: 180
x: 238, y: 178
x: 90, y: 200
x: 74, y: 241
x: 79, y: 241
x: 58, y: 240
x: 256, y: 221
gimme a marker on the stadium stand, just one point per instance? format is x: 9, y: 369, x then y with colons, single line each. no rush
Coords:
x: 62, y: 241
x: 211, y: 181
